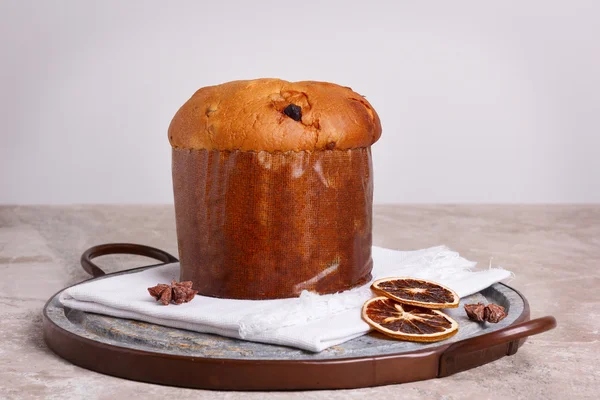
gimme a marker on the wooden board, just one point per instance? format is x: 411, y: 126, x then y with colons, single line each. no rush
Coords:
x: 151, y: 353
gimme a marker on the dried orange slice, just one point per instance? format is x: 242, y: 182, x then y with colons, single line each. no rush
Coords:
x: 416, y: 292
x: 406, y: 322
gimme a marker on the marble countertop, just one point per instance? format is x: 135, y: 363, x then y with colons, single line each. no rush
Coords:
x: 554, y: 252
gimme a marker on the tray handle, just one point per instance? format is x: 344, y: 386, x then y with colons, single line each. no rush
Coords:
x: 470, y: 353
x: 120, y: 248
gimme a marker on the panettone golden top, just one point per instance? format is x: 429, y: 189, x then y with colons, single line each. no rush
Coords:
x: 275, y: 115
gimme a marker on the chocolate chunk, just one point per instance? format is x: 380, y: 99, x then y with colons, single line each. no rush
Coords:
x: 294, y: 112
x: 330, y: 145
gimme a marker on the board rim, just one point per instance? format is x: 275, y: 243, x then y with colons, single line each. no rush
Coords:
x: 266, y: 374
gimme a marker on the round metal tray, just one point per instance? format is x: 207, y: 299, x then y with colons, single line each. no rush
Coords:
x: 151, y: 353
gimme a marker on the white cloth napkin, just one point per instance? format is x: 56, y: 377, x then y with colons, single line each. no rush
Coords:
x: 310, y: 322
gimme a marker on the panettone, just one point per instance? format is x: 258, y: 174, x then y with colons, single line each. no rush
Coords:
x: 273, y: 186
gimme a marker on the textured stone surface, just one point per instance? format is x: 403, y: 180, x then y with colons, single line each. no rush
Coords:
x: 553, y: 250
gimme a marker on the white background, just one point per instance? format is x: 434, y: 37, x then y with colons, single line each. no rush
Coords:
x: 479, y: 101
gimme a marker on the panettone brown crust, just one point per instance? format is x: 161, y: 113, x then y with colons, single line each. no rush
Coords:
x: 251, y: 115
x: 260, y: 225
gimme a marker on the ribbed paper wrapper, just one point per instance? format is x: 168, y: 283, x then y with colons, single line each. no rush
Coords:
x: 260, y: 225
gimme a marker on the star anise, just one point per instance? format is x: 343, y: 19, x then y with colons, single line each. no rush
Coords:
x: 183, y: 292
x: 178, y: 292
x: 161, y: 292
x: 494, y: 313
x: 491, y: 313
x: 475, y: 312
